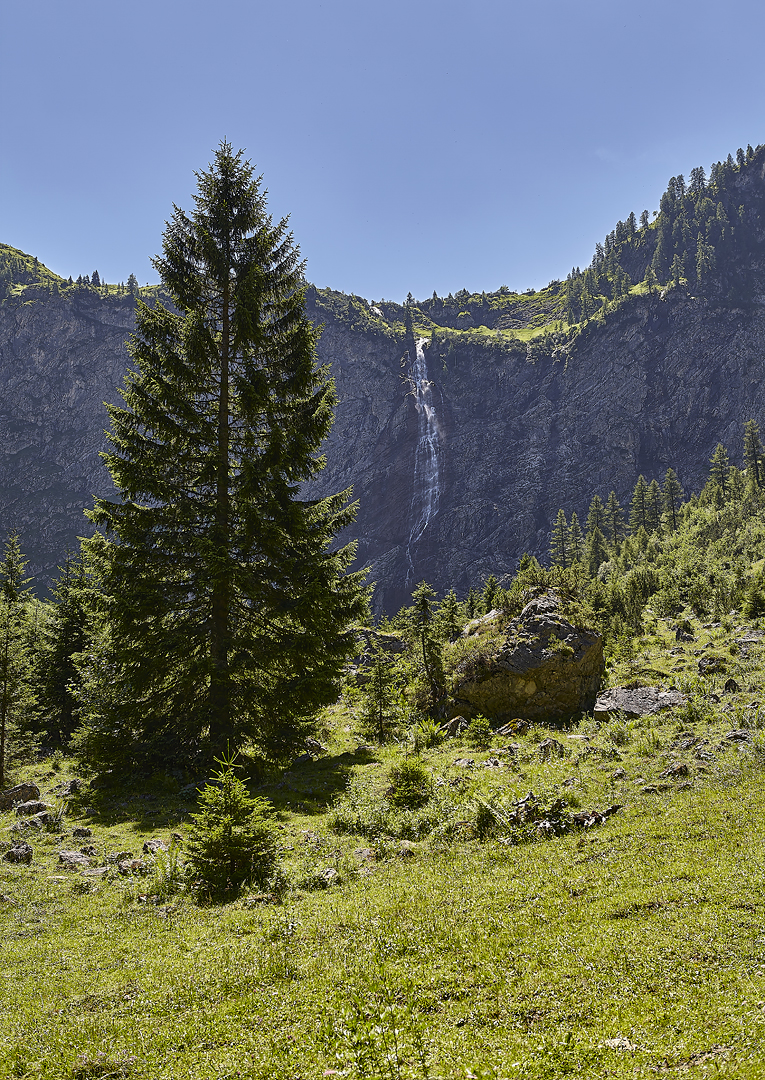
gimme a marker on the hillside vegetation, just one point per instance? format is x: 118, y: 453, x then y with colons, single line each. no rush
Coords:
x: 584, y: 899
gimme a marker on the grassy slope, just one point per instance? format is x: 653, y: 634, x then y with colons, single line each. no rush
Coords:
x: 506, y: 960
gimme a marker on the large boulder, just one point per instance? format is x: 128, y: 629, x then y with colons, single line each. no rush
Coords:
x: 20, y: 794
x: 543, y: 669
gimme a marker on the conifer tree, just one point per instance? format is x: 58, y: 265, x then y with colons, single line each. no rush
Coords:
x: 654, y: 506
x: 596, y: 515
x: 753, y: 453
x: 559, y: 550
x: 380, y: 710
x: 639, y: 506
x: 720, y: 470
x: 614, y: 519
x: 673, y: 492
x: 227, y: 613
x: 490, y: 590
x: 67, y: 635
x: 449, y: 621
x: 424, y: 599
x: 595, y: 551
x: 575, y: 540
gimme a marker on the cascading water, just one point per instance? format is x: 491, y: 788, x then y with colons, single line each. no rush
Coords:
x: 426, y: 487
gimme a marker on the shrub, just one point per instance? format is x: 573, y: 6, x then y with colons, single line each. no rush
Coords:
x: 411, y: 785
x: 479, y: 732
x: 233, y: 839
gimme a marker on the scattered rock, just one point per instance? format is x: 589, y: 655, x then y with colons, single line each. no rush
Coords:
x: 619, y: 774
x: 315, y: 747
x: 26, y: 823
x: 364, y: 748
x: 683, y: 635
x: 675, y: 770
x: 686, y: 742
x: 330, y: 876
x: 32, y: 806
x: 21, y: 793
x: 463, y: 763
x: 151, y: 847
x: 406, y: 849
x: 544, y: 668
x: 119, y: 856
x: 132, y: 866
x: 704, y: 755
x: 81, y: 832
x: 637, y: 701
x: 73, y: 860
x: 365, y: 854
x: 740, y: 735
x: 551, y: 748
x: 515, y: 727
x: 711, y: 665
x: 21, y: 853
x: 89, y: 850
x: 95, y: 872
x: 493, y: 763
x: 453, y: 728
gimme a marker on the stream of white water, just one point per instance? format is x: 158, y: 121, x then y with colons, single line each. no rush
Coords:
x: 426, y: 487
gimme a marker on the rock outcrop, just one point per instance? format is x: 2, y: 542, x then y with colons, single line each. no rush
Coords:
x: 636, y: 701
x: 544, y: 669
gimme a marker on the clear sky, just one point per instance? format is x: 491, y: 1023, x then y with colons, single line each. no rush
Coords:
x: 415, y: 144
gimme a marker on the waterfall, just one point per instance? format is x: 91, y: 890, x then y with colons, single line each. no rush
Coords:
x: 426, y: 487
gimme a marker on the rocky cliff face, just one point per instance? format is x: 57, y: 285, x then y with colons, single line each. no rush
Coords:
x: 462, y: 447
x: 60, y: 360
x: 659, y: 385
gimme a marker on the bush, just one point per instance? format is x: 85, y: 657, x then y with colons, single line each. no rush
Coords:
x: 411, y: 785
x: 233, y: 839
x: 479, y: 732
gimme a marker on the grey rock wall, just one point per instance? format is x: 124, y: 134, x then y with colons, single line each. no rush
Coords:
x: 658, y: 386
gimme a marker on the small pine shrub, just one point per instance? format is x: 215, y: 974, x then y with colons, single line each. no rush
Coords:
x: 478, y: 733
x: 232, y: 842
x: 411, y: 784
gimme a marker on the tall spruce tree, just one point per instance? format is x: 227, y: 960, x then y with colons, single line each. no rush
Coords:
x: 575, y: 539
x: 654, y: 506
x: 673, y: 492
x: 614, y: 519
x: 559, y: 546
x: 639, y: 506
x: 596, y: 515
x: 720, y: 470
x: 227, y: 611
x: 753, y: 453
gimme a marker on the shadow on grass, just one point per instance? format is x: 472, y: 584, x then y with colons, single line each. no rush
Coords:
x: 310, y: 786
x: 147, y: 805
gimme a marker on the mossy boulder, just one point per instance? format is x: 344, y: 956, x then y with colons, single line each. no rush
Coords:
x: 543, y: 668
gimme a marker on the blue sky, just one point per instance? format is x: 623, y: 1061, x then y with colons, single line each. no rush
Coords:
x: 415, y: 145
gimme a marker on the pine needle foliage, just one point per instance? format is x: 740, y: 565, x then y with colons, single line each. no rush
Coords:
x: 227, y: 609
x: 233, y: 839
